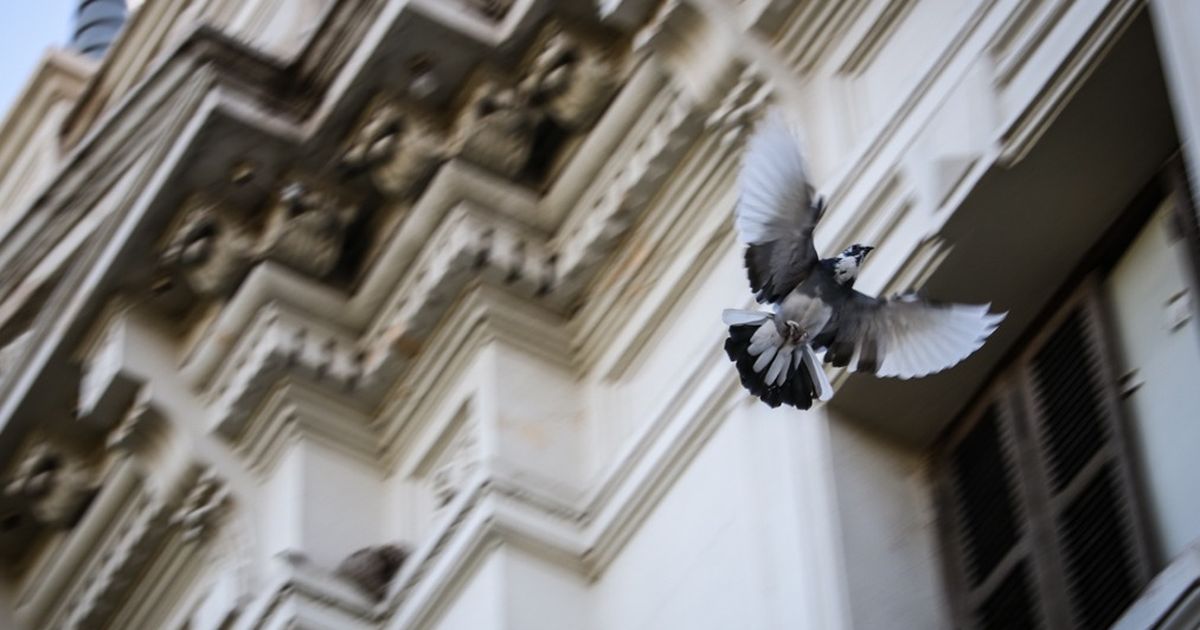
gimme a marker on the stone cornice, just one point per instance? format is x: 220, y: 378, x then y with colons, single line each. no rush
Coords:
x: 484, y: 314
x: 296, y: 410
x: 584, y: 538
x: 60, y: 76
x: 205, y: 59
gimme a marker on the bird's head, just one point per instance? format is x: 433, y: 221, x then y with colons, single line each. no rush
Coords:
x: 857, y: 252
x: 847, y: 263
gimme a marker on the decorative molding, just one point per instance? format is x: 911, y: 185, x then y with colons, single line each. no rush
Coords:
x: 1025, y: 30
x: 626, y: 190
x: 279, y: 342
x: 294, y: 410
x: 102, y: 590
x: 813, y: 28
x: 466, y: 245
x: 485, y: 314
x: 885, y: 20
x: 105, y: 390
x: 1022, y: 132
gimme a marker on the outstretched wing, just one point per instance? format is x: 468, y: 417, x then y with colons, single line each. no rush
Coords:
x: 775, y: 213
x: 904, y: 336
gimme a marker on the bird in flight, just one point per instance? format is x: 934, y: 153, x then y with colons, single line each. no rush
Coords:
x: 814, y: 308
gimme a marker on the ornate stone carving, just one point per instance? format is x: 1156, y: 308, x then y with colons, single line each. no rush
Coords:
x: 57, y: 486
x: 569, y: 79
x: 496, y: 129
x: 209, y: 250
x: 398, y: 146
x: 372, y: 568
x: 202, y: 505
x: 306, y: 228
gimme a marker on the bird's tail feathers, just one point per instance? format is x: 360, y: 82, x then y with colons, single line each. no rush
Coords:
x: 777, y: 371
x: 821, y: 385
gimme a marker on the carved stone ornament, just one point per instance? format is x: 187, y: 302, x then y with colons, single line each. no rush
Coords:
x: 57, y: 486
x: 373, y: 568
x: 399, y: 147
x: 570, y: 80
x: 209, y: 250
x: 202, y: 505
x: 306, y: 228
x: 496, y: 129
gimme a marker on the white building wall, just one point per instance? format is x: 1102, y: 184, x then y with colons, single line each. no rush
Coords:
x: 888, y: 530
x: 740, y: 540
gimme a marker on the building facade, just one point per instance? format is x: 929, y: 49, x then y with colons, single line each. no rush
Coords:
x: 406, y: 314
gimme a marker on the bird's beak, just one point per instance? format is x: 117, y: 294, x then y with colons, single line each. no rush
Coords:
x: 867, y: 250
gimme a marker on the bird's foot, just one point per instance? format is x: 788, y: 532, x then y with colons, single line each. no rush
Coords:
x: 794, y: 334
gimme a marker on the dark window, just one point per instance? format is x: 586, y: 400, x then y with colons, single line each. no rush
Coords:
x: 1035, y: 499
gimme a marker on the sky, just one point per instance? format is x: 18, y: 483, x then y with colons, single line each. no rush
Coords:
x: 27, y: 28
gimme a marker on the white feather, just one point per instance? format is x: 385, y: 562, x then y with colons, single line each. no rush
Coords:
x: 773, y: 183
x: 823, y: 387
x: 764, y: 359
x: 778, y: 372
x: 739, y: 317
x: 920, y: 339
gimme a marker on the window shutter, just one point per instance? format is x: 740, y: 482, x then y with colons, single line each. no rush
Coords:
x: 1074, y: 409
x: 986, y: 526
x: 1037, y: 510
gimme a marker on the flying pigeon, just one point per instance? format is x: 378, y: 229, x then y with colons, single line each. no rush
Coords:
x: 814, y: 308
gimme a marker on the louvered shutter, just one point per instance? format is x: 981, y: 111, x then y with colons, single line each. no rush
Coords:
x: 1036, y: 504
x: 985, y: 522
x: 1074, y: 410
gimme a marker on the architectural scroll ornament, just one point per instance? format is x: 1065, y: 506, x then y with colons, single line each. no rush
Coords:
x: 56, y: 485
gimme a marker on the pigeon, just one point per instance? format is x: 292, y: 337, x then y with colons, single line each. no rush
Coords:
x: 815, y: 314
